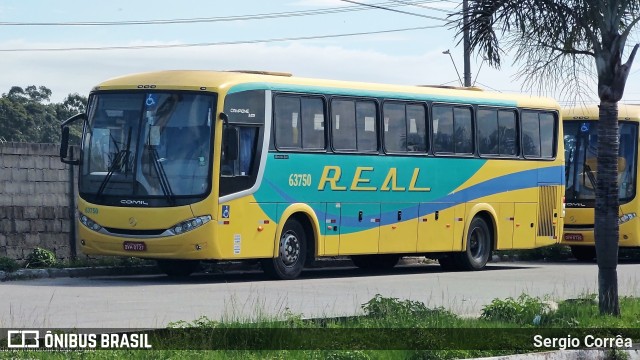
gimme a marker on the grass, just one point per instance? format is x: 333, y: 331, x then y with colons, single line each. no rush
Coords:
x: 506, y: 326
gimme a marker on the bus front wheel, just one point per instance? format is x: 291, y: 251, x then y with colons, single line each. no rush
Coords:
x: 178, y: 268
x: 584, y: 253
x: 479, y: 241
x: 292, y: 250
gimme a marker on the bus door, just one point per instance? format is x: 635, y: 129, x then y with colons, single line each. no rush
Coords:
x: 436, y: 228
x: 398, y: 228
x: 359, y: 228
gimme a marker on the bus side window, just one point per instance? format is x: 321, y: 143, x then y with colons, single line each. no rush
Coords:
x: 416, y: 128
x: 463, y: 130
x: 343, y: 125
x: 242, y: 164
x: 508, y: 133
x: 530, y: 134
x: 313, y: 123
x: 367, y: 134
x: 443, y: 129
x: 287, y: 120
x: 488, y: 132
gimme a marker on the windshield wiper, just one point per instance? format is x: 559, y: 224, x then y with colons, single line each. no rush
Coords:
x: 121, y: 155
x: 162, y: 176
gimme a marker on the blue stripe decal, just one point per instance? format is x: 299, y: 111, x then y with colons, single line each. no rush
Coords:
x: 511, y: 182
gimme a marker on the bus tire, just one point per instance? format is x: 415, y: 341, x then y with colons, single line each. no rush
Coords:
x: 292, y: 250
x: 178, y: 268
x: 479, y: 241
x: 584, y: 253
x: 376, y: 261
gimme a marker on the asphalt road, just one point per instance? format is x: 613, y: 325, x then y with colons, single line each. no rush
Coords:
x: 152, y: 301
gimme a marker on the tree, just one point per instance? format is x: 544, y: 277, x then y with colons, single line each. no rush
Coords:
x: 555, y: 42
x: 27, y: 116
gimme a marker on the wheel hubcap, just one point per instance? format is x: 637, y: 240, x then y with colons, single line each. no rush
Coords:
x: 289, y: 248
x: 476, y: 243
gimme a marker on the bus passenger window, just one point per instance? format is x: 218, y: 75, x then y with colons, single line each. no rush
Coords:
x: 443, y: 129
x: 343, y: 125
x: 547, y: 136
x: 287, y: 120
x: 367, y: 134
x: 395, y: 127
x: 404, y: 128
x: 508, y: 133
x: 417, y: 129
x: 313, y: 123
x: 488, y: 133
x: 531, y: 134
x: 463, y: 131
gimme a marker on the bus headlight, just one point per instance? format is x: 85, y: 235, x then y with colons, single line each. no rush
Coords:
x: 88, y: 222
x: 190, y: 224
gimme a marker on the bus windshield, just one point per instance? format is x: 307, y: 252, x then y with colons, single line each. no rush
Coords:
x: 580, y: 141
x: 148, y: 145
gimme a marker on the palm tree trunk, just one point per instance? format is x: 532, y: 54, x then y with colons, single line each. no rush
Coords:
x: 606, y: 211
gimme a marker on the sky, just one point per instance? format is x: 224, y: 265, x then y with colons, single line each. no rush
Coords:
x: 297, y: 36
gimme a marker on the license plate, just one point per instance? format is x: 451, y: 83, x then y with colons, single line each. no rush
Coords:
x: 573, y: 237
x: 134, y: 246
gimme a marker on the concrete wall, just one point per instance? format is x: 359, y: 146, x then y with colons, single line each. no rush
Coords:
x: 35, y: 201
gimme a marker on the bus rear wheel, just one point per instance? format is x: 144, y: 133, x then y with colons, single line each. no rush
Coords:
x: 584, y: 253
x: 479, y: 242
x: 178, y: 268
x: 292, y: 251
x: 376, y: 261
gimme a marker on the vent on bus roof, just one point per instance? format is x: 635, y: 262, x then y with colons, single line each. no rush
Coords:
x: 272, y: 73
x: 474, y: 88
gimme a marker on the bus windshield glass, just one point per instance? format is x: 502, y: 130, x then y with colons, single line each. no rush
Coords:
x: 148, y: 145
x: 581, y: 151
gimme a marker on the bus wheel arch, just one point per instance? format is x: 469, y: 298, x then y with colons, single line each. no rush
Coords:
x: 298, y: 227
x: 479, y: 241
x: 478, y: 245
x: 488, y: 214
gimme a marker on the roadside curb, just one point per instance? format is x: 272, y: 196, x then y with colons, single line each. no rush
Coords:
x: 599, y: 354
x: 26, y: 274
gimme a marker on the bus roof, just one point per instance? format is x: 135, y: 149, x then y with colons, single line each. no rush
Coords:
x: 222, y: 81
x: 591, y: 112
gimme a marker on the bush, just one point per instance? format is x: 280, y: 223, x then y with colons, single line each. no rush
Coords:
x: 381, y: 307
x: 524, y: 310
x: 8, y: 264
x: 41, y: 258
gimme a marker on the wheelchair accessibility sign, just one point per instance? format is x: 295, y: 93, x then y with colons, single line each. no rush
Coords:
x: 225, y: 211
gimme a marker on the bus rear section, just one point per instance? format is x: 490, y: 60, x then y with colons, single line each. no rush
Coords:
x: 580, y: 137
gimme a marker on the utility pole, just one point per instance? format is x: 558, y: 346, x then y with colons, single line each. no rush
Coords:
x: 466, y: 45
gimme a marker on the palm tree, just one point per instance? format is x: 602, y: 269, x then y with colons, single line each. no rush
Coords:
x: 555, y: 43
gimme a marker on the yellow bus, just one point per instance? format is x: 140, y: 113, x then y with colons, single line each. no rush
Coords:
x: 189, y: 166
x: 581, y: 138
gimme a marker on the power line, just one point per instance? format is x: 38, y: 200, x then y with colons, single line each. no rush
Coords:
x: 335, y: 10
x: 166, y: 46
x: 423, y: 6
x: 395, y: 10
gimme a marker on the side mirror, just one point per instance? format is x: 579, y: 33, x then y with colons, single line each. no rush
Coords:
x: 64, y: 141
x: 230, y: 143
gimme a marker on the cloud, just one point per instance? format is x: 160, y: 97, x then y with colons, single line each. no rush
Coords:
x: 78, y: 71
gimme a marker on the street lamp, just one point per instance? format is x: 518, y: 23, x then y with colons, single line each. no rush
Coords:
x: 447, y: 52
